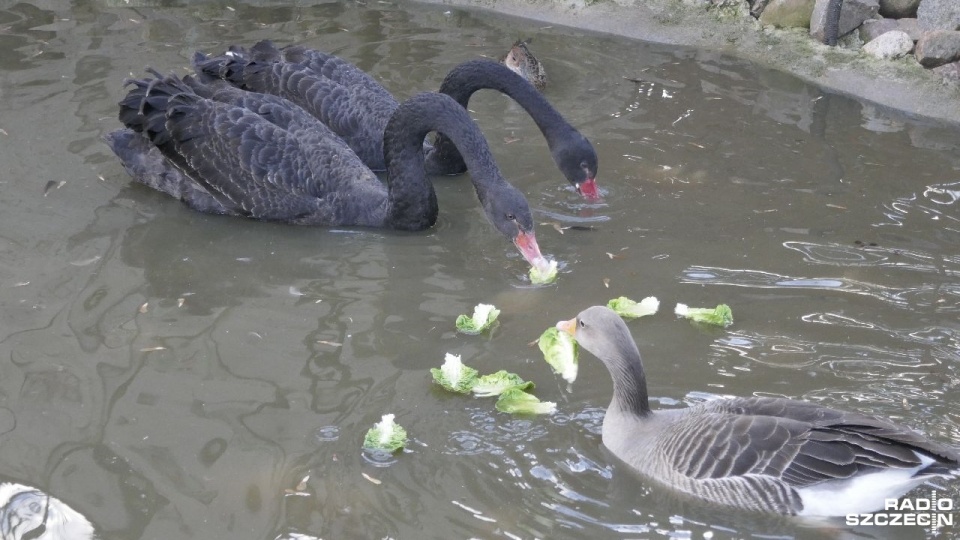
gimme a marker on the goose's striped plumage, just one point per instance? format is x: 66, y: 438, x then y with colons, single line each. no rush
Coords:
x: 768, y: 454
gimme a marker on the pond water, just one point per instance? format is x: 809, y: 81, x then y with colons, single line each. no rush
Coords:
x: 174, y: 375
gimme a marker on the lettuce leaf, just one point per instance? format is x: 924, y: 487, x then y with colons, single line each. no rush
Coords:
x: 495, y: 384
x: 561, y: 351
x: 629, y: 309
x: 386, y: 435
x: 721, y: 315
x: 516, y: 401
x: 454, y: 376
x: 484, y: 315
x: 548, y: 275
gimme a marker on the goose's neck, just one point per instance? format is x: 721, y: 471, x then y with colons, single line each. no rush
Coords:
x: 473, y: 75
x: 629, y: 383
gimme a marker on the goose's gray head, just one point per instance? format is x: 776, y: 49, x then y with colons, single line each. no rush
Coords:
x: 601, y: 331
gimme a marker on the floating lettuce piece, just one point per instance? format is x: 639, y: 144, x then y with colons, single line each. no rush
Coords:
x: 495, y: 384
x: 386, y: 435
x: 542, y: 277
x: 560, y: 350
x: 719, y: 316
x: 484, y: 316
x: 516, y: 401
x: 628, y: 309
x: 454, y: 376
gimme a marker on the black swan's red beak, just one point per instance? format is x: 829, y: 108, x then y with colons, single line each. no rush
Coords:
x: 526, y: 242
x: 588, y: 189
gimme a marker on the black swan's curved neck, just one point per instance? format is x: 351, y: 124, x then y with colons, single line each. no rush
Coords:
x: 412, y: 197
x: 468, y: 77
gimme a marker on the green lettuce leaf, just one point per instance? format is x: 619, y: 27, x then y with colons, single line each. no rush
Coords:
x: 516, y: 401
x: 548, y: 275
x: 719, y: 316
x: 454, y: 376
x: 484, y: 315
x: 495, y: 384
x: 628, y: 309
x: 560, y: 350
x: 386, y: 435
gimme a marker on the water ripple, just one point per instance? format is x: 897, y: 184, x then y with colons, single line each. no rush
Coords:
x: 931, y: 335
x: 944, y: 195
x: 864, y: 256
x: 859, y: 362
x: 943, y: 298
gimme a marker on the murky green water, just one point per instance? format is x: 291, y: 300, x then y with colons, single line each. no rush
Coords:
x: 175, y: 375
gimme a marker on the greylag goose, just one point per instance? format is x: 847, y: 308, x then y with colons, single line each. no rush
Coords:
x: 766, y: 454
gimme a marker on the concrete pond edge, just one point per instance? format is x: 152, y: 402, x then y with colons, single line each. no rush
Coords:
x: 900, y: 84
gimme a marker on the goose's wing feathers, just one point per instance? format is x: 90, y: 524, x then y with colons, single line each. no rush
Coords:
x: 717, y: 445
x: 801, y: 443
x: 836, y: 424
x: 355, y: 113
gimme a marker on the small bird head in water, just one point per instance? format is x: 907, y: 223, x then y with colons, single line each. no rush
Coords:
x: 521, y: 61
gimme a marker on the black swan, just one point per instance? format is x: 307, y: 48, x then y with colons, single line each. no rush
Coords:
x: 766, y: 454
x: 225, y: 151
x: 357, y: 108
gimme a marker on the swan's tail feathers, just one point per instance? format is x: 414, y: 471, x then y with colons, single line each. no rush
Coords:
x: 230, y: 66
x: 143, y: 161
x: 237, y: 63
x: 208, y: 87
x: 201, y: 82
x: 144, y: 109
x: 265, y: 51
x: 181, y: 118
x: 146, y: 164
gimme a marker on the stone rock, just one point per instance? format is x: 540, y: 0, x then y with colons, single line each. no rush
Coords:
x: 910, y: 26
x: 949, y: 71
x: 938, y: 47
x: 897, y: 9
x: 852, y: 15
x: 874, y: 28
x: 850, y: 42
x: 893, y: 44
x: 788, y: 13
x: 939, y: 15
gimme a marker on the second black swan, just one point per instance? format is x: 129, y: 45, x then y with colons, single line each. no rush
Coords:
x: 357, y: 108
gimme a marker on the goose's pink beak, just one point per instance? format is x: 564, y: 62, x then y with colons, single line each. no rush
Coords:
x: 589, y: 189
x: 569, y: 327
x: 526, y: 242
